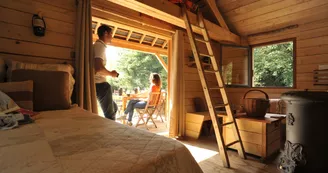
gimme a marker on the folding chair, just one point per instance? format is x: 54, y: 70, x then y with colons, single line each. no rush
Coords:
x: 149, y: 109
x: 161, y: 107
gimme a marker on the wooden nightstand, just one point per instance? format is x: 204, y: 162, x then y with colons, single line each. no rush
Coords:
x: 260, y: 136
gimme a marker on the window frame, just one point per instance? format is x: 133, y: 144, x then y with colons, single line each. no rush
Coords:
x: 251, y: 74
x: 249, y: 81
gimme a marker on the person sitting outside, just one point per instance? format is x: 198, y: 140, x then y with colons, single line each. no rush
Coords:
x: 155, y: 86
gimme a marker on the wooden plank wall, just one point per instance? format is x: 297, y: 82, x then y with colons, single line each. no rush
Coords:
x: 238, y: 58
x: 193, y: 87
x: 17, y: 40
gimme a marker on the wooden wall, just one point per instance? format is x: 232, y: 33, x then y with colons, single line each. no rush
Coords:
x: 17, y: 40
x: 235, y: 62
x: 193, y: 87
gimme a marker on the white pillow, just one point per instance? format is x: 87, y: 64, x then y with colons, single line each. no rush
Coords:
x: 7, y: 104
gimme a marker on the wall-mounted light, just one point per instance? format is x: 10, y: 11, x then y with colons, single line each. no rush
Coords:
x: 39, y: 25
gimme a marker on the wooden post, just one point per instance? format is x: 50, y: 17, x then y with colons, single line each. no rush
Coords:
x: 161, y: 60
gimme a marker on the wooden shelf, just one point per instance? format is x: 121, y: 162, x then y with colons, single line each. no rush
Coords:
x: 320, y: 77
x: 205, y: 65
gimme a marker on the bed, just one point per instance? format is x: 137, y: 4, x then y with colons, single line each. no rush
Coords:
x: 77, y: 141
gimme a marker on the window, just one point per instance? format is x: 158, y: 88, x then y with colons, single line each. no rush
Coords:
x: 273, y: 64
x: 235, y: 67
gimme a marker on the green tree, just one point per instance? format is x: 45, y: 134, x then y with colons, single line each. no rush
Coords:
x: 135, y: 68
x: 273, y: 65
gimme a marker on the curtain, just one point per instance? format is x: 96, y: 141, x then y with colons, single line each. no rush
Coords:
x: 85, y: 86
x: 176, y: 87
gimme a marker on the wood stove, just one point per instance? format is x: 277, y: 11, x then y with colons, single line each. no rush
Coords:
x: 306, y: 146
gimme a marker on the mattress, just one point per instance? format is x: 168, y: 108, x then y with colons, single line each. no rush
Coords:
x: 77, y: 141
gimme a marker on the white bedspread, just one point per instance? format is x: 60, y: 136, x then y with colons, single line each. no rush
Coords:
x: 76, y: 141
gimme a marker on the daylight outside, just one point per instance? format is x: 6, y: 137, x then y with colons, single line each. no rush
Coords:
x: 134, y: 68
x: 273, y: 65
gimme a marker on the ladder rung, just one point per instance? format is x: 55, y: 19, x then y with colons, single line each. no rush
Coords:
x: 211, y: 71
x: 201, y: 40
x: 202, y: 54
x: 234, y: 142
x: 215, y: 88
x: 221, y: 106
x: 196, y: 26
x: 228, y: 123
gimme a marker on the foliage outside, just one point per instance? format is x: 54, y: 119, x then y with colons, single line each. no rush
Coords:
x: 135, y: 69
x: 227, y: 73
x: 273, y: 65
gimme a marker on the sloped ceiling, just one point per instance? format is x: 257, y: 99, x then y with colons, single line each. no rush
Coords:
x: 245, y: 17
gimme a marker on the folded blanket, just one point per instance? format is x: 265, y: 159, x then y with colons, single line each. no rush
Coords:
x: 10, y: 121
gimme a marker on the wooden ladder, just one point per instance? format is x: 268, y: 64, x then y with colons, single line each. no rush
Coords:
x: 221, y: 87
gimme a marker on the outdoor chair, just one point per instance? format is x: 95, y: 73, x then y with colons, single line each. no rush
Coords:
x: 149, y: 110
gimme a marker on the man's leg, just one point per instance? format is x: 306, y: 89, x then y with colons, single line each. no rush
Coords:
x: 105, y: 98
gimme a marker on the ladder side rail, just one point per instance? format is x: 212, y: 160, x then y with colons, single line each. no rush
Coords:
x: 221, y: 84
x: 216, y: 125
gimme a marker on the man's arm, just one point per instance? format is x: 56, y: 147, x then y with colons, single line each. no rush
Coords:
x: 100, y: 68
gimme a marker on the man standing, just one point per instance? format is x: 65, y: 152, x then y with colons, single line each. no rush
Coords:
x: 103, y: 88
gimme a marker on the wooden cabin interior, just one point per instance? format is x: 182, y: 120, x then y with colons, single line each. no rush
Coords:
x: 67, y: 135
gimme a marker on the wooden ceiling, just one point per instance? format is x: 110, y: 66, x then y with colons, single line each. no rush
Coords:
x: 131, y: 34
x: 132, y: 38
x: 246, y: 17
x: 131, y: 29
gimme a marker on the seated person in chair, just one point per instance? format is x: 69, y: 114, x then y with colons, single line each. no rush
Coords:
x: 155, y: 86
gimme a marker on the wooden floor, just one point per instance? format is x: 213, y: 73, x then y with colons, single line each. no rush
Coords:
x: 205, y: 152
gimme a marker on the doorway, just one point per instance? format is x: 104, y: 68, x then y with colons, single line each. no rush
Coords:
x: 135, y: 68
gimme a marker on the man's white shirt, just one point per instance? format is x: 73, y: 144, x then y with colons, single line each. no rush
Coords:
x: 99, y: 51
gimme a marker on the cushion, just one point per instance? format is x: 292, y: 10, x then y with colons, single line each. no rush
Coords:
x: 15, y: 65
x: 277, y: 106
x: 50, y: 88
x: 20, y: 92
x: 2, y: 70
x: 7, y: 104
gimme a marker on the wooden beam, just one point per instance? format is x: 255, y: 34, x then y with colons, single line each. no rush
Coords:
x: 113, y: 33
x: 119, y: 25
x: 129, y: 35
x: 135, y: 46
x: 97, y: 26
x: 217, y: 14
x: 171, y: 13
x: 161, y: 60
x: 154, y: 41
x: 127, y: 16
x: 164, y: 44
x: 142, y: 38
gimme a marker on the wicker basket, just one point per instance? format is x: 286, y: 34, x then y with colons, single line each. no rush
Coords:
x: 256, y: 107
